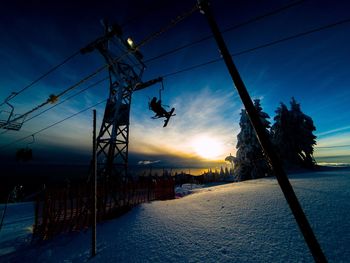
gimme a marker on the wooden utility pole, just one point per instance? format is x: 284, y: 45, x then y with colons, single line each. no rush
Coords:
x: 264, y: 140
x: 94, y: 187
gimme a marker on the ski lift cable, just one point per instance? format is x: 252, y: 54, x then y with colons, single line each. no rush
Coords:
x: 272, y: 43
x: 68, y: 98
x: 14, y: 94
x: 77, y: 113
x: 67, y: 59
x: 63, y: 101
x: 52, y: 125
x: 53, y: 98
x: 140, y: 15
x: 206, y: 63
x: 200, y: 65
x: 305, y: 33
x: 278, y: 10
x: 231, y: 28
x: 261, y: 46
x: 172, y: 23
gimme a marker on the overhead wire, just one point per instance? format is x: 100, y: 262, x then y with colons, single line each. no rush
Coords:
x: 68, y: 98
x: 228, y: 29
x: 63, y: 101
x: 146, y: 40
x: 173, y: 23
x: 272, y: 43
x: 67, y: 59
x: 273, y: 12
x: 14, y: 94
x: 156, y: 34
x: 142, y: 14
x: 52, y: 125
x: 53, y: 98
x: 64, y: 61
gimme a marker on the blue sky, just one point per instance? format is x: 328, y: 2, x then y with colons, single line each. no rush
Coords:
x: 314, y: 69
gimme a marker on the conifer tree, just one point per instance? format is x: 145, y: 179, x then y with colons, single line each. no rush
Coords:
x: 250, y: 161
x: 303, y: 128
x: 292, y: 135
x: 282, y: 135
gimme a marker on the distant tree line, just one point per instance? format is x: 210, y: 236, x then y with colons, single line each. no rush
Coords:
x: 291, y: 134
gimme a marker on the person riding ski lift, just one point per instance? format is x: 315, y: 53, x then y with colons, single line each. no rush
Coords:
x: 156, y: 106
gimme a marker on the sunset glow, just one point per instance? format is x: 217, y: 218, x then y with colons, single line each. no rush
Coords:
x: 207, y: 106
x: 207, y: 147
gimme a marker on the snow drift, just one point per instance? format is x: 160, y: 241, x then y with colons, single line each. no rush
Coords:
x: 240, y: 222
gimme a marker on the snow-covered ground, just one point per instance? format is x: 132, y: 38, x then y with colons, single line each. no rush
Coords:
x: 186, y: 189
x: 239, y: 222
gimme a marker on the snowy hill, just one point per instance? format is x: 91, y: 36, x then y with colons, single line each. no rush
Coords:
x: 239, y: 222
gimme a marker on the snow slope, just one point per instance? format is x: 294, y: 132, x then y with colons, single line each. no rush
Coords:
x: 239, y: 222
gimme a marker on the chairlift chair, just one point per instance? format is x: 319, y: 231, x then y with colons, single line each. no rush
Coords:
x: 157, y: 107
x: 25, y: 154
x: 8, y: 123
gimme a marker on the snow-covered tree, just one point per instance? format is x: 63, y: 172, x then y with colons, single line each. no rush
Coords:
x: 292, y: 135
x: 281, y: 136
x: 303, y: 134
x: 250, y: 161
x: 230, y: 159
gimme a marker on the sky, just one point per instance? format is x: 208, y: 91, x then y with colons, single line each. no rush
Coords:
x: 37, y: 35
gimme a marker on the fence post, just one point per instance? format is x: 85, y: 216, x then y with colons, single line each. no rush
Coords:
x: 94, y: 187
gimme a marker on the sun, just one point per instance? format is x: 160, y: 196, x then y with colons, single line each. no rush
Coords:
x: 207, y: 147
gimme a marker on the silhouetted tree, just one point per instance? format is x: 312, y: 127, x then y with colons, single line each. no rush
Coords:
x: 281, y: 135
x: 304, y: 137
x: 230, y: 159
x: 250, y: 161
x: 292, y: 135
x: 227, y: 173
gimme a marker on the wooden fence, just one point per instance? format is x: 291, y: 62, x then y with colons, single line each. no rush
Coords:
x: 68, y: 208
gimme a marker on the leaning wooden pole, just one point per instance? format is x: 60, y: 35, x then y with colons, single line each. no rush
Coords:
x: 264, y: 140
x: 94, y: 187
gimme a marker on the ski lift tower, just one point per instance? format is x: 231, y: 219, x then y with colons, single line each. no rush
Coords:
x: 125, y: 72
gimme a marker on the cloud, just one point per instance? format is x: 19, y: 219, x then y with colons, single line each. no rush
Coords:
x: 172, y: 161
x: 334, y: 140
x: 210, y: 112
x: 147, y: 162
x: 333, y: 131
x: 333, y: 145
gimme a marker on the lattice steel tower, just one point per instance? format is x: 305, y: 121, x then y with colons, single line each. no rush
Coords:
x: 125, y: 72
